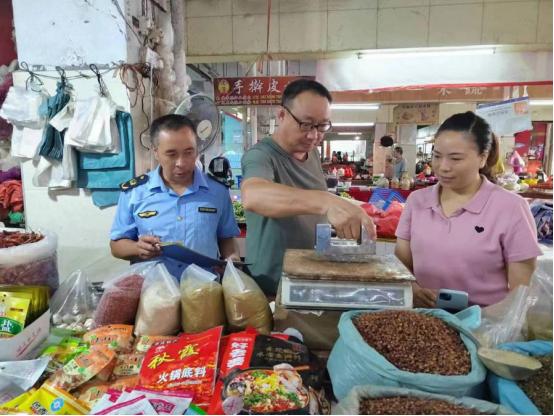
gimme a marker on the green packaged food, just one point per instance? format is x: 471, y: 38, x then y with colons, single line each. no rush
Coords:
x: 13, y: 313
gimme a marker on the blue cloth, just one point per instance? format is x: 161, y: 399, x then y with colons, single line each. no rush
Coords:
x: 52, y: 139
x: 198, y: 218
x: 507, y: 392
x: 399, y: 167
x: 353, y: 362
x: 105, y: 172
x: 103, y: 198
x: 542, y: 213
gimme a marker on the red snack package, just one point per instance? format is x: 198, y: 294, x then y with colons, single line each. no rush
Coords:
x: 262, y: 374
x: 189, y: 363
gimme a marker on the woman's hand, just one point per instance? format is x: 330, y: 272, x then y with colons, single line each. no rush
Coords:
x: 424, y: 298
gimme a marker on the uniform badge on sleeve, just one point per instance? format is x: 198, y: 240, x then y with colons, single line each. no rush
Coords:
x: 133, y: 183
x: 147, y: 214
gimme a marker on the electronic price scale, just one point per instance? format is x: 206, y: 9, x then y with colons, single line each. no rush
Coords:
x: 344, y: 274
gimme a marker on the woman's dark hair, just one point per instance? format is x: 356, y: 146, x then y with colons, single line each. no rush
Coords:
x: 302, y: 85
x: 481, y: 132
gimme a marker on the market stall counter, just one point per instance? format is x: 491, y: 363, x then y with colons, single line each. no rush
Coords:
x: 149, y: 344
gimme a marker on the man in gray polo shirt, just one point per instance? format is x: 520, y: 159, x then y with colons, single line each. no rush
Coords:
x: 284, y: 191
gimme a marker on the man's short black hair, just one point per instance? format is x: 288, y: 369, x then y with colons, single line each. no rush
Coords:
x: 302, y: 85
x: 398, y: 150
x: 171, y: 122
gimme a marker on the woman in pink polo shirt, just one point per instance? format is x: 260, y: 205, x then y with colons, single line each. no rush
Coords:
x: 466, y: 233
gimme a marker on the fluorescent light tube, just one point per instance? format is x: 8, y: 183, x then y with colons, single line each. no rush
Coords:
x: 355, y: 106
x: 540, y: 102
x: 349, y: 133
x: 353, y: 124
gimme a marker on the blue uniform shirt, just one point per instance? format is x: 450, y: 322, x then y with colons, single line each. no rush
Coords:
x: 198, y: 218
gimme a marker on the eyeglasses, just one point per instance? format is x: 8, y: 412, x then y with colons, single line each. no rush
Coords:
x: 306, y: 126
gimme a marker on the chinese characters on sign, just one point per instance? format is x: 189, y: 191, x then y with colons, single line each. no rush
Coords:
x: 420, y: 113
x: 507, y: 117
x: 251, y: 90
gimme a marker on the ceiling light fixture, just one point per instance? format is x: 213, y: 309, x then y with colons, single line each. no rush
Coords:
x: 349, y: 133
x: 540, y: 102
x: 353, y: 124
x: 424, y: 52
x: 354, y: 106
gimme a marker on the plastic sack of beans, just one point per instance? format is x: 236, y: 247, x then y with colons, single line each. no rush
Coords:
x: 120, y: 301
x: 29, y: 258
x: 384, y: 400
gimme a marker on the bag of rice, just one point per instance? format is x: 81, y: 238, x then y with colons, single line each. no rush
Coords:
x: 201, y: 300
x: 245, y: 303
x: 160, y: 304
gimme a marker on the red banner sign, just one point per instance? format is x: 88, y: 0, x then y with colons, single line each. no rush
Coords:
x: 251, y: 90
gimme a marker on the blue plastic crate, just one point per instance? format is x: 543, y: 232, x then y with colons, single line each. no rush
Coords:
x: 383, y: 197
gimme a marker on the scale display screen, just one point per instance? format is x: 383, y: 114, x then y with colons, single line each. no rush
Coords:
x: 343, y: 296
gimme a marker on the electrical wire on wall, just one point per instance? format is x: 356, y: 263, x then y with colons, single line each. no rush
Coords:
x: 131, y: 76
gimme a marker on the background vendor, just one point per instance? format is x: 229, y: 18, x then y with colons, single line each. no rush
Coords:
x: 466, y: 233
x: 284, y: 190
x: 174, y: 202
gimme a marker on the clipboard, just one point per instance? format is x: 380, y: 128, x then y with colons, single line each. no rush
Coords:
x: 177, y: 250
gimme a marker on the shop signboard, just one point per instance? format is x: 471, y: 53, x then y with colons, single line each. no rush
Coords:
x: 417, y: 113
x: 507, y: 117
x: 251, y: 90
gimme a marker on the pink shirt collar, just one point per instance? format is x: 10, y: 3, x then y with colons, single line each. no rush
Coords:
x: 474, y: 206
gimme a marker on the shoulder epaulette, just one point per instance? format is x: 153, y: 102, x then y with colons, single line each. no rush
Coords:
x: 133, y: 183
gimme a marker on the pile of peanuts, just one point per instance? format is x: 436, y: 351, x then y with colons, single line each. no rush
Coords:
x: 415, y: 342
x: 406, y: 405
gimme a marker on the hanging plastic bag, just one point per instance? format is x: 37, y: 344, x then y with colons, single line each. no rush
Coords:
x: 119, y: 303
x: 353, y: 363
x: 91, y: 127
x: 202, y: 304
x: 25, y: 142
x: 504, y: 321
x: 245, y: 303
x: 160, y: 304
x: 539, y: 315
x: 353, y: 403
x: 21, y: 108
x: 73, y: 305
x: 508, y: 392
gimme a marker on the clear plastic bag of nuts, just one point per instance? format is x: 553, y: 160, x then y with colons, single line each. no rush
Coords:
x: 34, y: 263
x: 74, y: 303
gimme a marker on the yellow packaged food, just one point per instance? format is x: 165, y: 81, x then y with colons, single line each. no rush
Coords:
x: 16, y: 401
x: 13, y: 313
x: 52, y: 401
x: 39, y: 299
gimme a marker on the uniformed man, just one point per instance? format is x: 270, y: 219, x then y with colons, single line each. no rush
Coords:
x: 174, y: 202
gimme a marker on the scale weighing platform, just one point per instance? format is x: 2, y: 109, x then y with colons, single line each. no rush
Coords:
x: 311, y: 281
